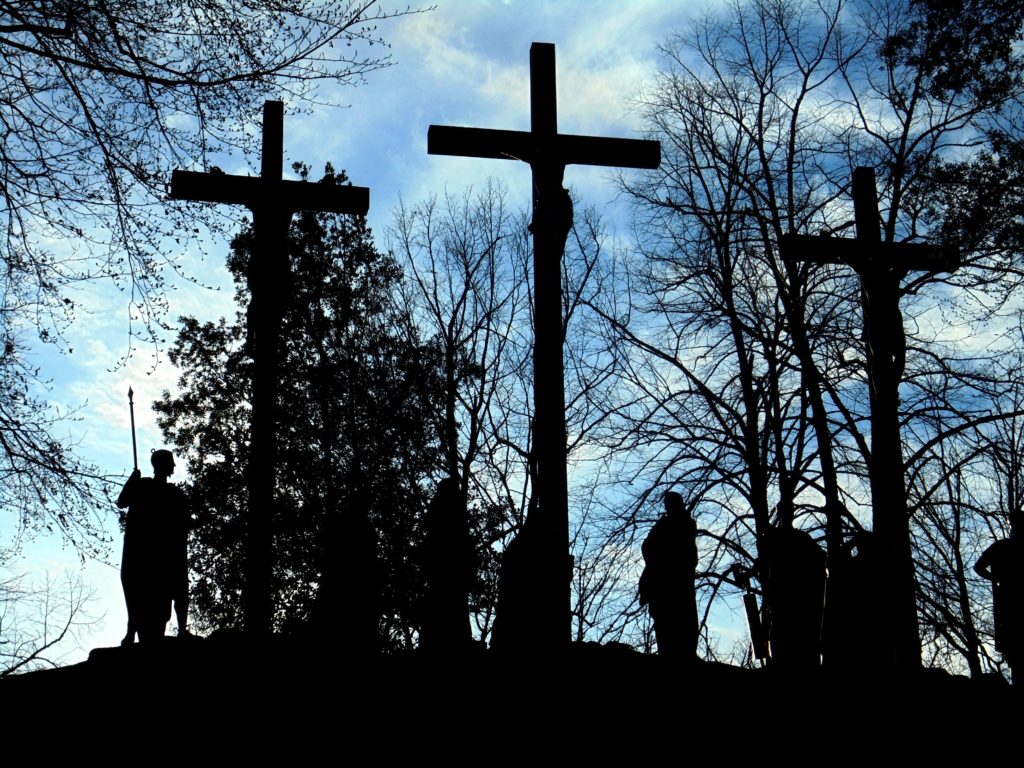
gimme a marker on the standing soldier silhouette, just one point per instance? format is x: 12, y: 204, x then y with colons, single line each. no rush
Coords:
x: 154, y: 559
x: 1003, y: 564
x: 666, y: 585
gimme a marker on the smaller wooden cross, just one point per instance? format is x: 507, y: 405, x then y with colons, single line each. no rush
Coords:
x: 272, y: 201
x: 548, y: 152
x: 881, y: 267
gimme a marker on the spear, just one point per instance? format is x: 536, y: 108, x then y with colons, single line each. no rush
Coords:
x: 131, y: 410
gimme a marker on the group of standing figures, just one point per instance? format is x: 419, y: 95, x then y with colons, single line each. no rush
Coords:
x: 154, y: 565
x: 810, y: 612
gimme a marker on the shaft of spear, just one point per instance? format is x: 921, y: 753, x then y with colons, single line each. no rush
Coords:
x: 131, y: 410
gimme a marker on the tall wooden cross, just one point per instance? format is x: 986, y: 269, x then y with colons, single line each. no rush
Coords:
x: 881, y: 267
x: 547, y: 152
x: 272, y: 201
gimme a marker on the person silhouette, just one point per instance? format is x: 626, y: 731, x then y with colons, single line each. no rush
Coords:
x: 667, y: 582
x: 1003, y: 564
x: 793, y: 568
x: 448, y: 570
x: 154, y: 560
x: 852, y: 631
x: 348, y: 607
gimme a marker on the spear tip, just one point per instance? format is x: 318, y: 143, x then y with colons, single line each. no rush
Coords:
x: 130, y: 392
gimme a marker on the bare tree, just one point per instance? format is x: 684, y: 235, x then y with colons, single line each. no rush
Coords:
x: 730, y: 343
x: 963, y: 490
x: 468, y: 262
x: 470, y: 294
x: 99, y: 100
x: 465, y: 260
x: 746, y: 370
x: 41, y: 624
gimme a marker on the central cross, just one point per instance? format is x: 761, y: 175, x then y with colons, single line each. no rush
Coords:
x: 272, y: 201
x: 547, y: 152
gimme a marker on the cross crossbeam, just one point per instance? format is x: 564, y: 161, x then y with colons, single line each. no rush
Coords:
x: 908, y: 257
x: 254, y: 191
x: 568, y: 149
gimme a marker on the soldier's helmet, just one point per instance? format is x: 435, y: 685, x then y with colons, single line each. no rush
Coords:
x: 162, y: 461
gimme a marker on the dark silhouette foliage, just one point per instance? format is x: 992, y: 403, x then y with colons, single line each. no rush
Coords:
x: 959, y: 46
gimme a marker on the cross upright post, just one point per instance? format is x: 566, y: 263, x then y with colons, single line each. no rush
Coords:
x: 547, y: 152
x: 881, y: 267
x: 272, y: 201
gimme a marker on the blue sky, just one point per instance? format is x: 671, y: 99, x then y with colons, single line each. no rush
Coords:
x: 463, y: 63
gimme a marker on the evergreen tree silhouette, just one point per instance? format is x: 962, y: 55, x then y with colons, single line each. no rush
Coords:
x: 355, y: 441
